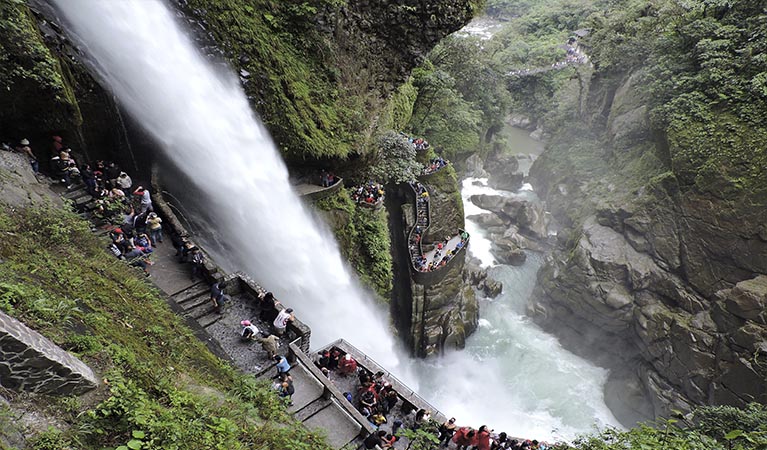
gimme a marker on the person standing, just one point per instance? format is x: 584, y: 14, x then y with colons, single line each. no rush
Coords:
x: 217, y: 296
x: 269, y: 343
x: 154, y: 223
x: 446, y: 431
x: 146, y: 199
x: 24, y: 148
x: 281, y: 321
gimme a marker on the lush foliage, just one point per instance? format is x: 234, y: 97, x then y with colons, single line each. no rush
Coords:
x: 296, y: 90
x: 162, y: 388
x: 363, y: 235
x: 710, y: 428
x: 707, y: 78
x: 396, y: 160
x: 469, y: 86
x: 31, y: 74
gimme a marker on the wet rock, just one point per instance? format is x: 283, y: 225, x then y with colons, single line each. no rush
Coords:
x: 503, y: 172
x: 474, y: 167
x: 492, y: 288
x: 748, y: 299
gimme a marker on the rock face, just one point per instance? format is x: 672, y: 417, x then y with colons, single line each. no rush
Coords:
x: 30, y: 362
x: 444, y: 314
x: 513, y: 225
x: 396, y: 35
x: 663, y: 283
x: 18, y: 184
x: 436, y: 310
x: 503, y: 171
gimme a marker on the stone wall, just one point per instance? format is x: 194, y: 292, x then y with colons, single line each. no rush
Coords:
x: 30, y: 362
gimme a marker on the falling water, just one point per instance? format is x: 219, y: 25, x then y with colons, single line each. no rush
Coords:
x: 205, y: 126
x: 512, y: 375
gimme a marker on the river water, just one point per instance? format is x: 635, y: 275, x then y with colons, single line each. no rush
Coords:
x: 511, y: 376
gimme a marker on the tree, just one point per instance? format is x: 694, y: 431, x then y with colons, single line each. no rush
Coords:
x: 396, y: 160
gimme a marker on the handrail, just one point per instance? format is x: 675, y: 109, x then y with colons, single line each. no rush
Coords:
x: 331, y: 390
x: 363, y: 359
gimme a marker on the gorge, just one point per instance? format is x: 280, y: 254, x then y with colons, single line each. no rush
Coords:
x: 650, y: 263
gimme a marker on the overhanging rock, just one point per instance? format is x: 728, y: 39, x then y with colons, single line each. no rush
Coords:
x: 31, y: 362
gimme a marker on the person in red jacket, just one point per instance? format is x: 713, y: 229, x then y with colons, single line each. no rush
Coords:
x: 347, y: 365
x: 464, y: 437
x: 483, y: 438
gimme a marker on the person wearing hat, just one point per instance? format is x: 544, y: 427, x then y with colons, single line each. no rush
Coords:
x: 154, y: 224
x: 280, y: 323
x: 146, y: 200
x: 124, y: 182
x: 249, y: 331
x: 24, y: 148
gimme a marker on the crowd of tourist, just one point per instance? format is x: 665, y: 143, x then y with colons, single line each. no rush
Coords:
x: 434, y: 165
x: 377, y: 400
x: 327, y: 179
x: 117, y: 200
x: 419, y: 144
x: 139, y: 230
x: 442, y: 253
x: 370, y: 193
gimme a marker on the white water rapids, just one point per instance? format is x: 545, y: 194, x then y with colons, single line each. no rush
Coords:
x: 512, y: 376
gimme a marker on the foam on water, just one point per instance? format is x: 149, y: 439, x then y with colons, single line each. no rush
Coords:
x: 512, y: 376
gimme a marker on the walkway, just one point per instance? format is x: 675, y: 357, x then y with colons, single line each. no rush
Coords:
x: 221, y: 332
x: 429, y: 261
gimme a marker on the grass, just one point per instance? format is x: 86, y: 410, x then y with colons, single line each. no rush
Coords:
x: 162, y: 388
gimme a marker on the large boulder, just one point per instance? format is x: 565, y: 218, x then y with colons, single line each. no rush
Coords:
x: 504, y: 172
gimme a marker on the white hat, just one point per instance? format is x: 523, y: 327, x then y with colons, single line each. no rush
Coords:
x: 24, y: 142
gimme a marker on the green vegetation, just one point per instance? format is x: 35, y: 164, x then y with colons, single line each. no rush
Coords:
x: 706, y: 76
x: 468, y: 86
x: 295, y: 82
x: 363, y: 235
x: 396, y: 162
x: 162, y: 388
x: 31, y: 75
x: 710, y: 428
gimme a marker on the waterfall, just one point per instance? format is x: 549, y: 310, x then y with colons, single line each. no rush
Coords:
x: 512, y: 375
x: 206, y: 128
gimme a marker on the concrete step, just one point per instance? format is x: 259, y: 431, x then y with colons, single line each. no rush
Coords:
x: 191, y: 292
x: 209, y: 320
x: 193, y: 302
x: 199, y: 311
x: 312, y: 408
x: 75, y: 192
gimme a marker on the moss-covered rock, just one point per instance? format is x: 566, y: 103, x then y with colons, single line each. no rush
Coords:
x: 35, y: 93
x: 363, y: 236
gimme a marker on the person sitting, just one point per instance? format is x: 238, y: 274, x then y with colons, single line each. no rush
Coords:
x: 249, y: 331
x: 368, y: 399
x: 347, y: 365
